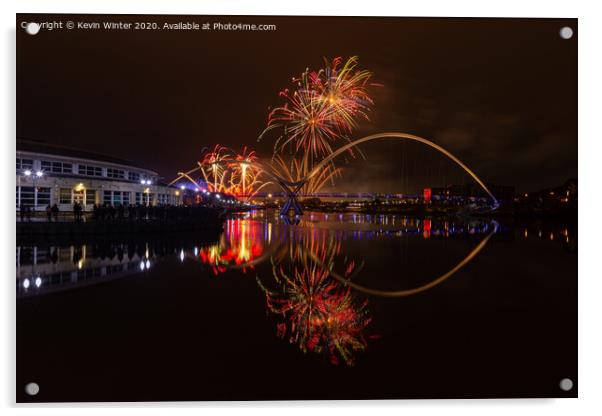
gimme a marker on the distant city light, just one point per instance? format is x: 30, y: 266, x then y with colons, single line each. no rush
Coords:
x: 196, y: 189
x: 38, y: 281
x: 182, y: 187
x: 39, y: 174
x: 26, y: 283
x: 218, y: 196
x: 27, y: 172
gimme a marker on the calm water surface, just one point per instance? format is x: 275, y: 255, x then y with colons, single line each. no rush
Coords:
x: 338, y: 306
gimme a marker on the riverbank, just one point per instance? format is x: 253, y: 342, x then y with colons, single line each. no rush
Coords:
x: 42, y: 229
x: 210, y: 221
x: 424, y: 211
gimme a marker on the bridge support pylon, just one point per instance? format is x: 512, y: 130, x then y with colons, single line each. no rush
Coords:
x: 292, y: 203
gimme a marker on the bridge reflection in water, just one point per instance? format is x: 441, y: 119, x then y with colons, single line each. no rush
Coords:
x: 317, y: 277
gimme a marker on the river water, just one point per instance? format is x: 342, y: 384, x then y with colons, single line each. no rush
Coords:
x: 327, y: 306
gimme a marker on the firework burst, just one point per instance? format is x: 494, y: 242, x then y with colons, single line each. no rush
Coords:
x: 245, y: 173
x: 345, y: 89
x: 320, y: 315
x: 308, y: 121
x: 321, y: 109
x: 297, y: 169
x: 226, y: 171
x: 213, y: 167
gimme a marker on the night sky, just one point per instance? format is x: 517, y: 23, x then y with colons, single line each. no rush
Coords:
x: 501, y: 94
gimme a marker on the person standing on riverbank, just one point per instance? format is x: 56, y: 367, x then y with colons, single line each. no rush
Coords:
x: 55, y: 212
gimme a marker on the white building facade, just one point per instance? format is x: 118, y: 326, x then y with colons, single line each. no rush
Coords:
x: 48, y: 175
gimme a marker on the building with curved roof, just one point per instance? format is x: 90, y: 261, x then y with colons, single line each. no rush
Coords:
x: 48, y: 174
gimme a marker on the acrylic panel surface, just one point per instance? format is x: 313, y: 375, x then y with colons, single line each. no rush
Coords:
x: 290, y: 208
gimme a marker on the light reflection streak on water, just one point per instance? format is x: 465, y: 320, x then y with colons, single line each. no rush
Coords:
x: 247, y: 241
x: 316, y: 302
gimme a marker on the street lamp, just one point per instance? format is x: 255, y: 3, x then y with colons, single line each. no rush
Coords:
x: 38, y: 174
x: 147, y: 190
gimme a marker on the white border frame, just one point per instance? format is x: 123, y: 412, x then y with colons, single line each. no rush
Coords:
x: 590, y: 286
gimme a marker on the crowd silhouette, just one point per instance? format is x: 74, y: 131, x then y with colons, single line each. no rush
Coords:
x: 144, y: 212
x: 124, y: 212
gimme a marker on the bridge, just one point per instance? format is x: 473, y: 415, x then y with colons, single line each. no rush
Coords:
x: 290, y: 190
x: 342, y: 195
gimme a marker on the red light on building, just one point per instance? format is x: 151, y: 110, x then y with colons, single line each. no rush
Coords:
x: 426, y: 229
x: 427, y: 194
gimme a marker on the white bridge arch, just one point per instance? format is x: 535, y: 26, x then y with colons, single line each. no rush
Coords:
x: 293, y: 189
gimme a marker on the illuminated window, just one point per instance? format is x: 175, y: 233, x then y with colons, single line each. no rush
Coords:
x: 107, y: 197
x: 134, y: 176
x: 89, y: 170
x: 56, y: 167
x: 43, y: 196
x: 27, y: 196
x: 65, y: 195
x: 78, y: 195
x: 115, y: 173
x: 24, y: 164
x: 116, y: 197
x: 90, y: 196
